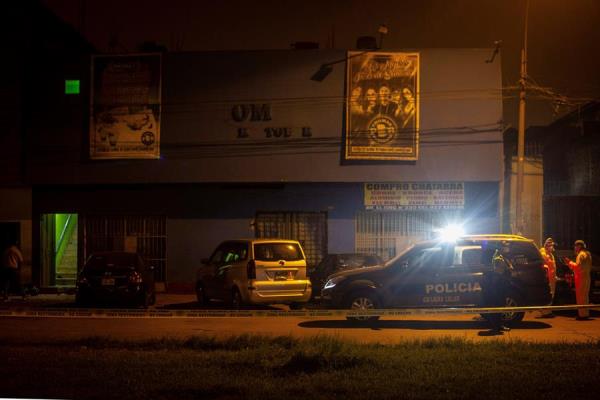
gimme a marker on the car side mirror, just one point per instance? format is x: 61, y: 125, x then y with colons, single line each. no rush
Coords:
x: 403, y: 266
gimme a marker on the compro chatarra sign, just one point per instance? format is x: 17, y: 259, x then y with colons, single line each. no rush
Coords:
x: 415, y: 196
x: 125, y: 106
x: 382, y: 106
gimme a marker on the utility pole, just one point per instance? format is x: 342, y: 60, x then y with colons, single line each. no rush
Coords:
x: 519, y: 223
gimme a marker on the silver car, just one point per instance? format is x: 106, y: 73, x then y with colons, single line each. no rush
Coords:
x: 255, y: 271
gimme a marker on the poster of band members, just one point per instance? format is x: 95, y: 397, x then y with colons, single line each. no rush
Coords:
x: 125, y: 97
x: 382, y: 106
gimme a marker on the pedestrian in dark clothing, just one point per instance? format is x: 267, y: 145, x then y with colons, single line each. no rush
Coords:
x: 495, y: 287
x: 11, y: 263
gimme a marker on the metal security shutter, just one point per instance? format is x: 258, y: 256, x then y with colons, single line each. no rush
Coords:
x: 144, y: 234
x: 568, y: 218
x: 309, y: 228
x: 385, y: 233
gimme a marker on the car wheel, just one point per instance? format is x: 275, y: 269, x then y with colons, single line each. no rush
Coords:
x: 144, y: 300
x: 512, y: 300
x: 200, y: 295
x: 510, y: 318
x: 362, y: 300
x: 236, y: 299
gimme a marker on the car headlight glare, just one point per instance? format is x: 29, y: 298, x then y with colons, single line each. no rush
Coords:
x: 333, y: 281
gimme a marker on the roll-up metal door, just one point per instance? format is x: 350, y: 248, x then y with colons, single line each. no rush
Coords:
x: 309, y: 228
x: 146, y: 235
x: 386, y: 233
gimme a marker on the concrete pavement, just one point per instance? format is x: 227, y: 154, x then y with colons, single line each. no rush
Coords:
x: 562, y: 328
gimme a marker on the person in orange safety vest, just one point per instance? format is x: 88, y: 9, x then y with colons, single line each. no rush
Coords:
x: 581, y: 267
x: 548, y: 255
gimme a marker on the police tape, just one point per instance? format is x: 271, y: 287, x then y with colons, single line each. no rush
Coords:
x: 309, y: 313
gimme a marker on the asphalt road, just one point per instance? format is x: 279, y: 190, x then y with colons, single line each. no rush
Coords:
x: 562, y: 328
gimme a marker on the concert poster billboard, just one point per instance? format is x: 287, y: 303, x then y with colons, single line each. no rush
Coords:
x: 382, y: 106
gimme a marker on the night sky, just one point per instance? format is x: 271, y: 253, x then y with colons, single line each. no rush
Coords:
x: 564, y: 36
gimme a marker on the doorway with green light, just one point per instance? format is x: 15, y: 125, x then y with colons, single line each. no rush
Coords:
x: 59, y: 247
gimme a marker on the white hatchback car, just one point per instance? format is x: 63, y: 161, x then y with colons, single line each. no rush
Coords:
x: 255, y: 271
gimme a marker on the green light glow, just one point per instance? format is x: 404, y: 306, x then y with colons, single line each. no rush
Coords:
x: 72, y: 86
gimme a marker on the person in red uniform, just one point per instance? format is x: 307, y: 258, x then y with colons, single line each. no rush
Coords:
x: 547, y: 253
x: 581, y: 267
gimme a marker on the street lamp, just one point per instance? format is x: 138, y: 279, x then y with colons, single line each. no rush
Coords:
x: 325, y: 69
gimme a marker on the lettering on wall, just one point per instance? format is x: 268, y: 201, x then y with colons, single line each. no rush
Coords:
x: 251, y: 112
x: 255, y: 116
x: 414, y: 196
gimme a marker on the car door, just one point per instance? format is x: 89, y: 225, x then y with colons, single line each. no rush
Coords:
x: 228, y: 268
x: 412, y: 277
x: 147, y: 272
x: 459, y: 283
x: 209, y: 272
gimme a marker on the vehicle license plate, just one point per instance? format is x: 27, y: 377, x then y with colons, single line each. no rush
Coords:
x: 108, y: 281
x: 283, y: 275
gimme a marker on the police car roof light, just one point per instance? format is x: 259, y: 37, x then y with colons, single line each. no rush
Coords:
x: 450, y: 233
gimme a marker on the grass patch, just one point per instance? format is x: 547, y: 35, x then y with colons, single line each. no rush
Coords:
x: 257, y: 367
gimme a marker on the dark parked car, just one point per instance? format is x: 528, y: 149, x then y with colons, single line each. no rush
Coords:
x: 443, y: 274
x: 565, y: 282
x: 333, y: 263
x: 116, y: 277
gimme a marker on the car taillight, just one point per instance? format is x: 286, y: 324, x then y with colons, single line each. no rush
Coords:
x: 135, y: 278
x: 251, y: 269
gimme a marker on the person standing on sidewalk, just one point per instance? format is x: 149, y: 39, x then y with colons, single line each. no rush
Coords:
x: 581, y: 267
x: 11, y: 262
x: 548, y: 255
x: 495, y: 286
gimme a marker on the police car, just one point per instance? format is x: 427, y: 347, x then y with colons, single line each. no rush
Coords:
x: 443, y: 274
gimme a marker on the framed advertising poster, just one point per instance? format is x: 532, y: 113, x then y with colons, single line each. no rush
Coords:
x: 382, y: 106
x: 125, y: 106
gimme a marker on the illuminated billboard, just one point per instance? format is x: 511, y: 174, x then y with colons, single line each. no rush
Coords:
x: 382, y: 106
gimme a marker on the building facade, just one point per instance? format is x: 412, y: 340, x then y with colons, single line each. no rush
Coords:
x: 244, y: 144
x: 42, y: 53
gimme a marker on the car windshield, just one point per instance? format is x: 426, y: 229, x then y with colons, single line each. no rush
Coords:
x: 111, y: 261
x: 277, y: 251
x: 358, y: 260
x: 518, y: 252
x: 395, y: 258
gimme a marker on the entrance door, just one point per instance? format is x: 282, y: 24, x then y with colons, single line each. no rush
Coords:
x: 59, y: 249
x: 10, y: 233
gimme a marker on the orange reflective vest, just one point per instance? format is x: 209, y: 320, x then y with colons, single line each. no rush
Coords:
x: 550, y: 263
